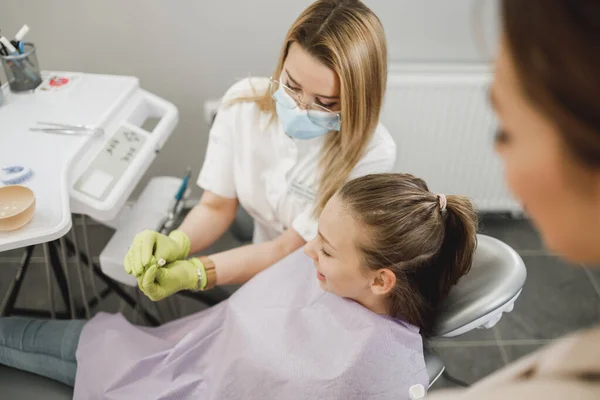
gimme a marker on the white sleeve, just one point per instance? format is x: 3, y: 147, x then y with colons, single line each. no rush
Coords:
x: 216, y: 174
x: 306, y: 225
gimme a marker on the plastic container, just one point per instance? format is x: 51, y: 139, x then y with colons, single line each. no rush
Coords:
x: 22, y: 70
x: 17, y: 206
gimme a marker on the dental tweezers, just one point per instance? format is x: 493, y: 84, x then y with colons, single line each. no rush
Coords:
x: 68, y: 129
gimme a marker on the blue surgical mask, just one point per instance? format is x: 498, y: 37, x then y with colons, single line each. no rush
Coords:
x: 296, y: 122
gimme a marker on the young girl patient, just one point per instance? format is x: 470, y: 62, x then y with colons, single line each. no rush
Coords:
x: 341, y: 320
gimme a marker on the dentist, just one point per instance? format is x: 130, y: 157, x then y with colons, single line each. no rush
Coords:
x: 280, y: 147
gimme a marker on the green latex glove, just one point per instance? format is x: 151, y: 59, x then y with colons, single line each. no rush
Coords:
x: 153, y: 248
x: 158, y: 283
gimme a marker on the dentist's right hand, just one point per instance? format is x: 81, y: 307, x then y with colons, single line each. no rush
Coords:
x: 149, y: 247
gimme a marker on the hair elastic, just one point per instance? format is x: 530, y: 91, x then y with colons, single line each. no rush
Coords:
x: 443, y: 202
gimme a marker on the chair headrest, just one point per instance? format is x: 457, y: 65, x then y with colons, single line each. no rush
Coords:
x: 496, y: 277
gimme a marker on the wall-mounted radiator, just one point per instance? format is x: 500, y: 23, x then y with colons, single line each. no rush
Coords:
x: 444, y: 130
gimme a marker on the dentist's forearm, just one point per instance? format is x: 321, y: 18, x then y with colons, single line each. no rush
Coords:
x: 207, y: 221
x: 238, y: 265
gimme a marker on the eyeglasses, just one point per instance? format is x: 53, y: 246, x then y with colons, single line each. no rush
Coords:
x: 318, y: 114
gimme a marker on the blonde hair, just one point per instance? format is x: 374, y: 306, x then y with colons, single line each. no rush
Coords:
x: 427, y: 246
x: 347, y: 37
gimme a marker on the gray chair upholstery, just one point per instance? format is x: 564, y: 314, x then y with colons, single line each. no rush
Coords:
x: 491, y: 286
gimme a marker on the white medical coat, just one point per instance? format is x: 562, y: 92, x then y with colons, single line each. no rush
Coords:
x: 273, y: 176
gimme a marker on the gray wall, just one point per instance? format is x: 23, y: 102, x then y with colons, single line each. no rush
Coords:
x: 188, y: 51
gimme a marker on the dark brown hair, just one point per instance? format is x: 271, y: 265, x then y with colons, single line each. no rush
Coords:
x: 426, y: 248
x: 555, y: 48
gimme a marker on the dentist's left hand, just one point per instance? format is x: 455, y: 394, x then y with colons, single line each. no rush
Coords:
x: 149, y: 247
x: 158, y: 283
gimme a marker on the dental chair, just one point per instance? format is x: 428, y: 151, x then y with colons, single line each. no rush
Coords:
x: 479, y: 299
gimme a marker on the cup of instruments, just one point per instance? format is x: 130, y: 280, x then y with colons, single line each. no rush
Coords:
x: 22, y: 70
